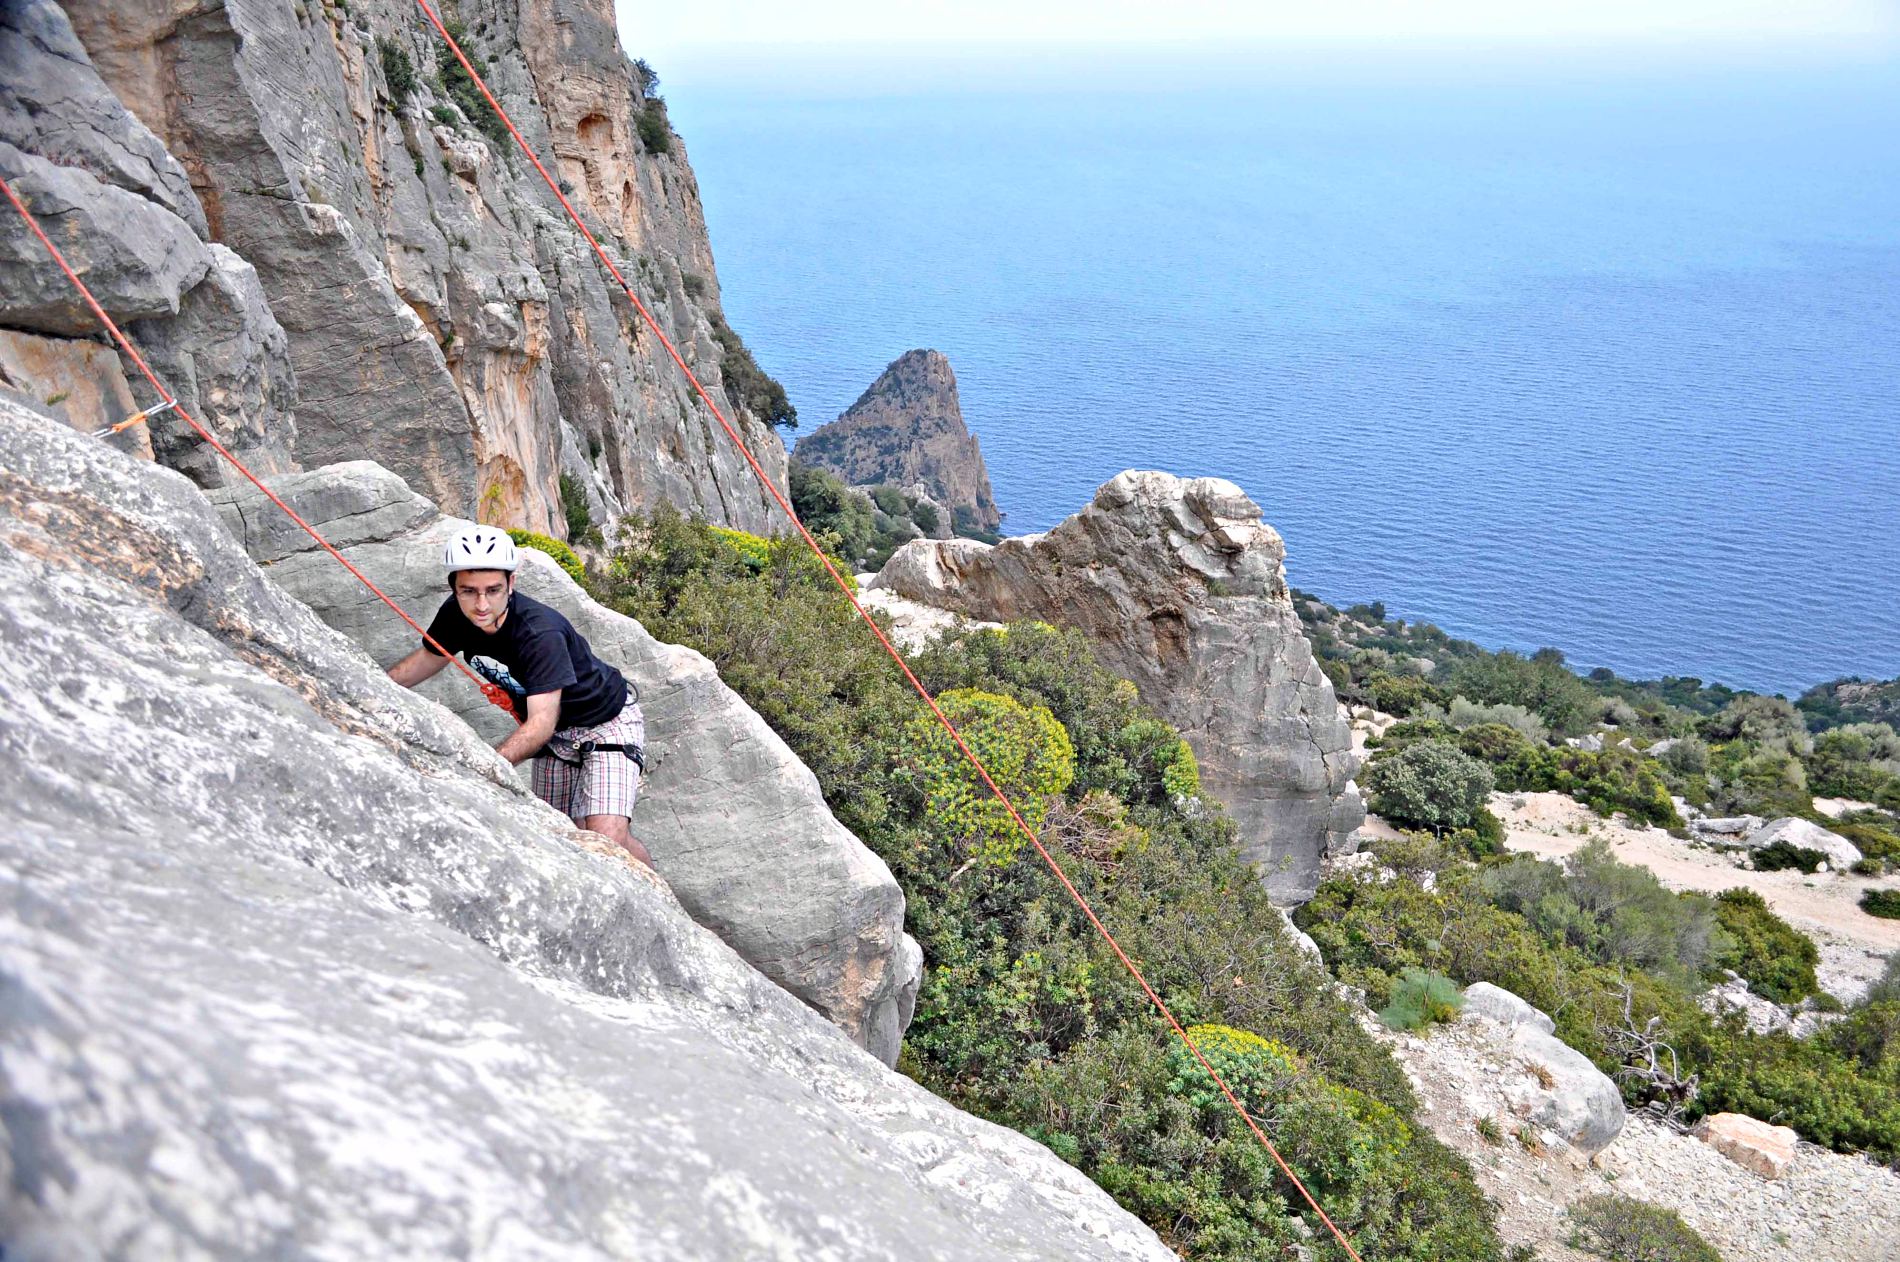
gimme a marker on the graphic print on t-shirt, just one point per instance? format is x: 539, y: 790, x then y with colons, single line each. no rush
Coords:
x: 496, y: 673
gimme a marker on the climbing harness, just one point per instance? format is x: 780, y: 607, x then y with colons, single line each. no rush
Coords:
x: 636, y: 754
x: 845, y: 586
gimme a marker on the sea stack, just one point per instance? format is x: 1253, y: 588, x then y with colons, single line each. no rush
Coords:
x: 908, y: 429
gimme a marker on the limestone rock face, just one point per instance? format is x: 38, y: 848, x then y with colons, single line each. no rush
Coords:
x: 1180, y: 586
x: 732, y: 818
x: 121, y: 209
x: 1485, y: 1000
x: 293, y: 965
x: 443, y: 317
x: 908, y: 429
x: 137, y: 257
x: 76, y: 382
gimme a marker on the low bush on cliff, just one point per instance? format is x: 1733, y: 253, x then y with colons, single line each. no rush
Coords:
x: 1623, y: 1229
x: 1024, y: 1015
x: 1775, y: 958
x: 748, y: 386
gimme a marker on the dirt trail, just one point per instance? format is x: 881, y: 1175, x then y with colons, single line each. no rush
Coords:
x: 1825, y: 906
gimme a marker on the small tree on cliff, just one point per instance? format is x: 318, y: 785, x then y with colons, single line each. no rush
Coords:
x: 1430, y: 785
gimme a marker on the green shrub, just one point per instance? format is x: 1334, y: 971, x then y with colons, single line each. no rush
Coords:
x: 1429, y: 785
x: 1466, y: 713
x: 1855, y: 761
x: 1612, y: 912
x: 1540, y: 683
x: 1420, y: 999
x: 398, y: 71
x: 1775, y: 958
x: 1882, y: 903
x: 1779, y: 856
x: 1876, y: 835
x: 1401, y: 694
x: 748, y: 386
x: 656, y: 130
x: 1624, y: 1229
x: 562, y: 554
x: 574, y: 506
x: 1029, y: 758
x: 924, y: 514
x: 462, y: 90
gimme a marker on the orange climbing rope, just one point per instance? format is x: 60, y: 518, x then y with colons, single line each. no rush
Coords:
x: 843, y: 585
x: 168, y: 402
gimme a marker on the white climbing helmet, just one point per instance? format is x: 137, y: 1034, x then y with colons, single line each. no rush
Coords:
x: 479, y: 548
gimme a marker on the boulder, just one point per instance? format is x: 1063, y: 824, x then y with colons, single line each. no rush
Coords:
x: 734, y: 821
x: 294, y: 966
x: 1482, y: 999
x: 1725, y: 830
x: 138, y: 258
x: 1558, y: 1088
x: 907, y: 430
x: 1181, y: 588
x: 1766, y: 1150
x: 1841, y: 853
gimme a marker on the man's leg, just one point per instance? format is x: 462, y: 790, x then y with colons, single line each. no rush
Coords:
x: 614, y: 829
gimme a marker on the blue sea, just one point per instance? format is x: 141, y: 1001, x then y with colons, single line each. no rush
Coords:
x: 1592, y: 355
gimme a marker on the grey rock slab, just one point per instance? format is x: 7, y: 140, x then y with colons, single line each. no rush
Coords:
x: 290, y: 965
x: 735, y: 822
x: 54, y: 104
x: 138, y: 258
x: 1180, y: 587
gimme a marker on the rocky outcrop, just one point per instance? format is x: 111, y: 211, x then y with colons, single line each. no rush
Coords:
x: 1753, y: 1145
x: 293, y: 965
x: 733, y: 819
x: 121, y: 209
x: 1802, y: 834
x: 443, y: 316
x: 78, y: 382
x: 907, y: 430
x: 1550, y: 1084
x: 1181, y: 588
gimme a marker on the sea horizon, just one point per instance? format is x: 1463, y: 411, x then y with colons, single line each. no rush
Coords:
x: 1603, y: 359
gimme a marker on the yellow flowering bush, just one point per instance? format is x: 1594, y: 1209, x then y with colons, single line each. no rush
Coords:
x: 1028, y: 755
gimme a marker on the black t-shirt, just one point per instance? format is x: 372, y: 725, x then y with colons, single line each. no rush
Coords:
x: 536, y: 650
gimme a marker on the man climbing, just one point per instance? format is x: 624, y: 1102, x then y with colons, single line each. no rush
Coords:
x: 580, y: 721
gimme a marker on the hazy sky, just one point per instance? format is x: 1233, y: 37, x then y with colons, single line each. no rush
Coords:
x: 661, y: 29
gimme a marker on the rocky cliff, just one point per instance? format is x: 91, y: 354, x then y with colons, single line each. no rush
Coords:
x: 907, y: 430
x: 1182, y: 588
x: 291, y: 964
x: 304, y: 208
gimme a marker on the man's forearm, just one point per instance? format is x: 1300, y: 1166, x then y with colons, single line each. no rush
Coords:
x: 526, y: 742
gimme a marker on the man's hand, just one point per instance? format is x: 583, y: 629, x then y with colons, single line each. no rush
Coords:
x: 418, y: 666
x: 543, y: 709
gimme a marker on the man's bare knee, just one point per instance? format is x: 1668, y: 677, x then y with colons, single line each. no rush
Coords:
x: 614, y: 828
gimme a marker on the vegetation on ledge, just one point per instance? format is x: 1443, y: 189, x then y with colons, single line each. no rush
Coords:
x: 1024, y: 1016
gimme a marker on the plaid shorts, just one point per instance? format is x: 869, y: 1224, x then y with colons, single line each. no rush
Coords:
x: 603, y: 783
